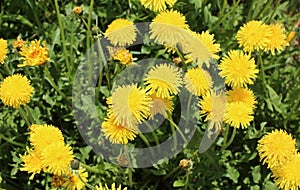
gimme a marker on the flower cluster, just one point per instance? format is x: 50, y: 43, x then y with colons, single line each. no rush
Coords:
x: 278, y: 150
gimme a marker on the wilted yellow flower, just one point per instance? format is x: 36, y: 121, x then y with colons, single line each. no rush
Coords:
x: 57, y: 158
x: 15, y: 91
x: 276, y: 148
x: 117, y: 133
x: 3, y: 50
x: 72, y: 182
x: 198, y: 81
x: 163, y: 80
x: 164, y: 106
x: 287, y: 175
x: 277, y: 40
x: 290, y: 36
x: 184, y: 163
x: 129, y: 105
x: 19, y: 43
x: 35, y: 54
x: 121, y: 32
x: 238, y: 69
x: 238, y: 115
x: 254, y: 35
x: 32, y: 162
x: 121, y: 54
x: 57, y: 181
x: 157, y: 5
x: 77, y: 10
x: 169, y: 28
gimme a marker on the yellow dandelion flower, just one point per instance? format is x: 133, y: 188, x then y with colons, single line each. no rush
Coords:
x: 290, y: 36
x: 129, y: 104
x: 3, y: 50
x: 238, y: 115
x: 277, y: 40
x: 121, y: 54
x: 15, y: 91
x: 238, y: 69
x: 254, y: 35
x: 208, y: 40
x: 243, y: 95
x: 276, y: 148
x: 73, y: 182
x: 163, y: 80
x: 121, y: 32
x: 57, y: 181
x: 35, y: 54
x: 164, y: 106
x: 42, y: 136
x: 32, y: 162
x: 19, y: 43
x: 113, y: 187
x: 117, y: 133
x: 157, y: 5
x: 213, y: 106
x: 57, y: 158
x: 287, y: 176
x: 198, y: 81
x: 168, y: 28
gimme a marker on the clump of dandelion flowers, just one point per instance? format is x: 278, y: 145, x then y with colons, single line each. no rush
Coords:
x: 117, y: 133
x: 121, y: 32
x: 157, y: 5
x: 243, y: 95
x: 57, y: 158
x: 277, y: 40
x: 238, y: 69
x: 169, y: 28
x: 129, y: 105
x: 238, y: 115
x: 32, y: 162
x: 254, y: 35
x: 35, y: 54
x: 197, y: 81
x: 287, y: 175
x: 276, y: 148
x: 163, y: 80
x: 3, y: 50
x: 15, y: 91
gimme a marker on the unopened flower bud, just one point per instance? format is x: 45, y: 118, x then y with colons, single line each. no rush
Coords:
x: 184, y: 163
x: 75, y: 164
x: 77, y: 10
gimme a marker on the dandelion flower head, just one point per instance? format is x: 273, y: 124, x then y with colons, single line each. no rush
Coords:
x: 73, y: 182
x: 32, y: 162
x: 3, y: 50
x: 278, y: 39
x: 238, y: 115
x: 243, y: 95
x: 164, y: 106
x: 157, y: 5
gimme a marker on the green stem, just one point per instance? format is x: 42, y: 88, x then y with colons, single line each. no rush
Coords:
x: 225, y: 137
x: 85, y: 183
x: 182, y: 59
x: 175, y: 136
x: 263, y: 9
x: 130, y: 178
x: 211, y: 160
x: 223, y: 9
x: 11, y: 141
x: 63, y: 40
x: 171, y: 173
x: 30, y: 115
x: 49, y: 78
x: 90, y: 169
x: 231, y: 138
x: 250, y: 11
x: 24, y: 116
x: 262, y: 71
x: 88, y: 32
x: 180, y: 132
x: 188, y: 111
x: 146, y: 142
x: 274, y: 10
x: 1, y: 77
x: 8, y: 70
x: 156, y: 139
x: 187, y: 179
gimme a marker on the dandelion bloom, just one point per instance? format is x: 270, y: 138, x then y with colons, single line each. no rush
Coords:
x: 113, y: 187
x: 243, y: 95
x: 157, y: 5
x: 238, y: 115
x: 197, y: 81
x: 15, y: 91
x: 32, y: 162
x: 287, y: 176
x: 57, y: 158
x: 117, y: 133
x: 42, y: 136
x: 129, y: 104
x: 35, y: 54
x: 121, y: 32
x: 254, y: 35
x: 168, y: 28
x: 73, y: 182
x: 164, y: 106
x: 19, y: 43
x: 163, y: 80
x: 208, y: 40
x: 3, y: 50
x: 277, y: 40
x: 276, y: 148
x: 121, y: 54
x: 238, y: 69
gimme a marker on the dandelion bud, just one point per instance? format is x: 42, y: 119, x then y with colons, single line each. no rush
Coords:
x: 177, y: 60
x: 184, y: 163
x: 75, y: 164
x: 123, y: 160
x: 77, y: 10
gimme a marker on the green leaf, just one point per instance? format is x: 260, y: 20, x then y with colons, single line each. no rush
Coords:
x: 179, y: 183
x: 256, y: 174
